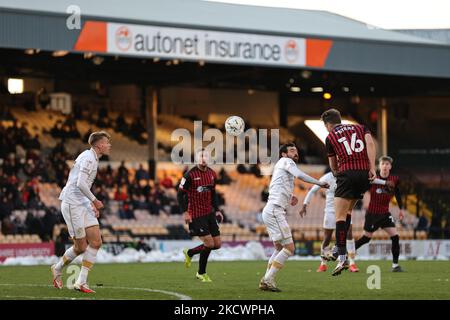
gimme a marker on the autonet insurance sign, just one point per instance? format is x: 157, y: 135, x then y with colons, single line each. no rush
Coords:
x: 193, y: 44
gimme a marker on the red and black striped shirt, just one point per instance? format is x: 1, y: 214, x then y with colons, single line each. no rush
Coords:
x: 347, y: 143
x: 380, y: 196
x: 200, y: 188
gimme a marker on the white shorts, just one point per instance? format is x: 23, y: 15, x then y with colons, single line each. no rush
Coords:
x: 329, y: 220
x: 274, y: 218
x: 78, y: 218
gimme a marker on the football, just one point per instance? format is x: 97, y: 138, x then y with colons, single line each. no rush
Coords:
x: 234, y: 125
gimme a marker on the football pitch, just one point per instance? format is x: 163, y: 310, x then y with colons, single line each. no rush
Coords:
x: 232, y: 280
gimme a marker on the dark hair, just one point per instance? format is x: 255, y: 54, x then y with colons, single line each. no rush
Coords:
x: 386, y: 158
x: 332, y: 116
x: 284, y: 147
x: 96, y: 136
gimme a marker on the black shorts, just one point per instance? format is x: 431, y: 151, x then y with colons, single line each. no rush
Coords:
x: 352, y: 184
x: 204, y: 225
x: 374, y: 221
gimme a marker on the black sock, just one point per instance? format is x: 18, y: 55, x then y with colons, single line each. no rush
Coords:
x: 341, y: 237
x: 361, y: 241
x: 395, y: 248
x: 204, y: 254
x: 194, y: 251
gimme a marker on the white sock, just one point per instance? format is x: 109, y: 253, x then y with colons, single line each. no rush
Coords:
x: 88, y: 261
x: 269, y: 264
x: 394, y: 265
x: 67, y: 258
x: 351, y: 250
x: 342, y: 258
x: 323, y: 252
x: 277, y: 264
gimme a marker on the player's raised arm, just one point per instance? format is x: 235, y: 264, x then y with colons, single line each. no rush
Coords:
x: 371, y: 153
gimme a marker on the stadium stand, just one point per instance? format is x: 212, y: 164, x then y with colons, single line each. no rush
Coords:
x: 137, y: 207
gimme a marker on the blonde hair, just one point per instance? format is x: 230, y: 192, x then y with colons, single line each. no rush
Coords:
x: 386, y: 158
x: 96, y: 136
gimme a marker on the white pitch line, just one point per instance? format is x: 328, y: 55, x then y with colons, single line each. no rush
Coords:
x: 170, y: 293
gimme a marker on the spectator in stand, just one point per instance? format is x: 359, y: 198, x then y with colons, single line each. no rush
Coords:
x: 33, y: 143
x: 121, y: 124
x: 121, y: 193
x: 256, y: 170
x: 102, y: 117
x: 422, y: 223
x: 123, y: 173
x: 241, y: 168
x: 7, y: 226
x: 141, y: 174
x: 224, y: 178
x: 167, y: 182
x: 43, y: 98
x: 126, y: 212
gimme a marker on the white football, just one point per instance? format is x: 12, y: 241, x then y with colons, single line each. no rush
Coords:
x: 234, y: 125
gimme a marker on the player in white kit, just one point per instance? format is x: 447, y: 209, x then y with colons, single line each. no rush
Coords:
x: 274, y: 213
x: 80, y: 209
x: 329, y: 222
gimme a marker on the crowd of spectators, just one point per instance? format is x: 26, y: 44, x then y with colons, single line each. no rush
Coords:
x: 22, y: 168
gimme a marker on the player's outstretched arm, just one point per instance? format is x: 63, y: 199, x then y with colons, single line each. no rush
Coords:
x: 296, y: 172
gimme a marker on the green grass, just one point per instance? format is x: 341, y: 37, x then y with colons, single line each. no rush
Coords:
x: 234, y: 280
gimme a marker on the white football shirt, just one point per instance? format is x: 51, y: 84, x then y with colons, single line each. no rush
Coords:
x: 86, y: 163
x: 281, y: 187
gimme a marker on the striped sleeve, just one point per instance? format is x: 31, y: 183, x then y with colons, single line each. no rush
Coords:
x: 329, y: 147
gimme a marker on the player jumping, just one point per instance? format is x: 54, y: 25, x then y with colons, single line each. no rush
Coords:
x: 274, y: 213
x: 80, y: 209
x: 351, y: 154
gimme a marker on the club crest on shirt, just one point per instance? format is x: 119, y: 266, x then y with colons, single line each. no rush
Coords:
x: 381, y: 190
x: 203, y: 188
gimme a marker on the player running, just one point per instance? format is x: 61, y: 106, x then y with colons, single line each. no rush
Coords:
x: 274, y: 213
x: 351, y: 154
x: 378, y: 215
x: 80, y: 209
x: 198, y: 201
x: 329, y: 222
